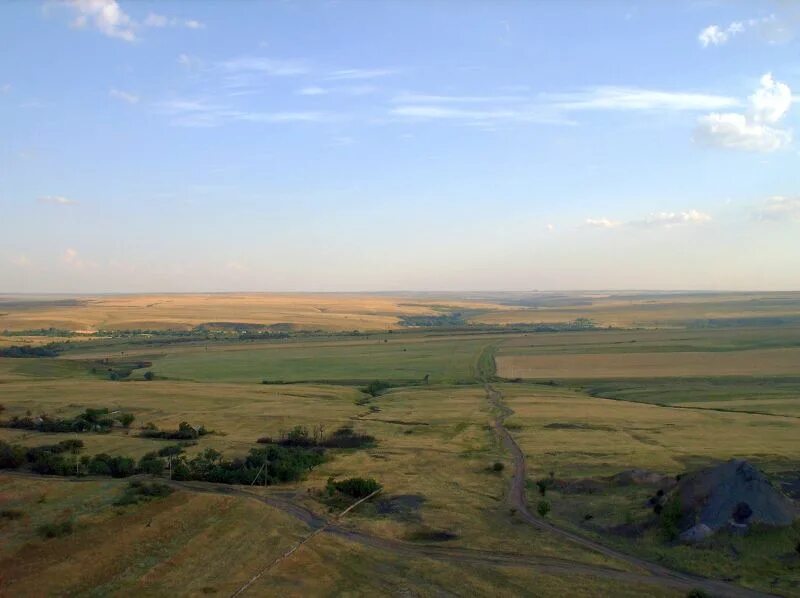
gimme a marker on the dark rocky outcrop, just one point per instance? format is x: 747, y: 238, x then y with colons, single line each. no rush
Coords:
x: 733, y: 493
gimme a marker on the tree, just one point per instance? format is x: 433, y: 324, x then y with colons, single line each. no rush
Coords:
x: 149, y: 375
x: 543, y: 508
x: 126, y: 419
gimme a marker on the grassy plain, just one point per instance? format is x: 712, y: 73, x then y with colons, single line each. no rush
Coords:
x: 668, y: 400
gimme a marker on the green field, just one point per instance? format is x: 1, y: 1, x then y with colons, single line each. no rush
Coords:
x: 385, y: 358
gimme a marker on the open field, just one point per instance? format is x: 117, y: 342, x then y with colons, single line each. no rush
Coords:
x: 767, y: 362
x: 330, y: 311
x: 371, y: 312
x: 666, y: 400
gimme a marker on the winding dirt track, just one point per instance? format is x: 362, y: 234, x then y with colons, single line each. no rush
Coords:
x: 516, y: 499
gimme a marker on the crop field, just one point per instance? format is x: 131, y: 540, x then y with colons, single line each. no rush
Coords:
x: 767, y: 362
x: 585, y: 405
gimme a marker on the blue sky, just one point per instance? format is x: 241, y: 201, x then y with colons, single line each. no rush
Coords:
x: 242, y: 145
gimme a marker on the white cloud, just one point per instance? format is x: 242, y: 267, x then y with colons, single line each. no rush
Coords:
x: 109, y: 19
x: 713, y: 35
x: 670, y: 219
x: 753, y: 130
x: 602, y: 223
x: 124, y: 96
x: 771, y: 28
x: 780, y: 208
x: 771, y: 101
x: 57, y: 200
x: 657, y: 220
x: 104, y: 15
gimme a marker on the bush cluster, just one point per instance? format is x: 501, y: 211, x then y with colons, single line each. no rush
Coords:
x: 342, y: 438
x: 185, y: 431
x: 91, y: 420
x: 354, y: 487
x: 137, y: 492
x: 20, y: 351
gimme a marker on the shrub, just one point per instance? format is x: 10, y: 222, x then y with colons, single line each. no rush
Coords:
x: 118, y: 467
x: 149, y: 375
x: 356, y: 487
x: 543, y: 508
x: 151, y: 463
x: 670, y: 518
x: 498, y: 466
x: 137, y: 492
x: 11, y: 456
x: 542, y: 486
x: 126, y: 419
x: 376, y: 387
x: 11, y: 514
x: 56, y: 530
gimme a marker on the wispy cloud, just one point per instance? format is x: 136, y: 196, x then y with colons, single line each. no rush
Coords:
x: 5, y: 88
x: 203, y: 113
x: 779, y: 208
x: 424, y: 98
x: 350, y: 90
x: 125, y: 96
x: 553, y: 107
x: 158, y: 21
x: 755, y: 130
x: 657, y: 220
x: 531, y: 114
x: 638, y: 99
x: 273, y: 67
x: 312, y: 90
x: 56, y: 200
x: 352, y: 74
